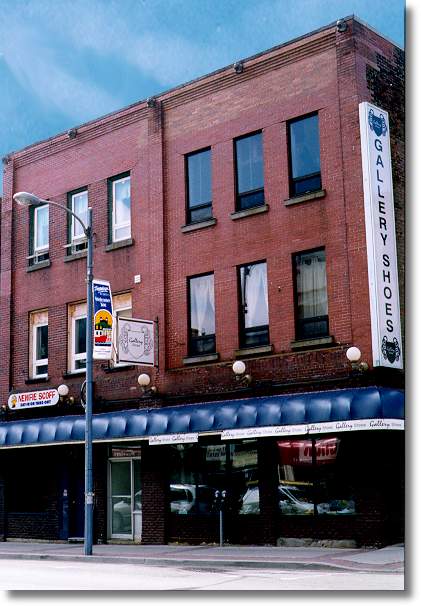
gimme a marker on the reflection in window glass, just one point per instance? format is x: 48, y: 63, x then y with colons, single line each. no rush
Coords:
x: 41, y: 228
x: 311, y: 480
x: 198, y: 471
x: 199, y: 186
x: 80, y: 343
x: 121, y: 209
x: 202, y: 315
x: 254, y: 305
x: 121, y: 497
x: 80, y: 208
x: 249, y: 164
x: 311, y: 290
x: 305, y: 154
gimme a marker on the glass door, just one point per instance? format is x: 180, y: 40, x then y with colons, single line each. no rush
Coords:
x: 125, y: 503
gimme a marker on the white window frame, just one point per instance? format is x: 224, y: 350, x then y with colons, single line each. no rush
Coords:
x: 121, y: 303
x: 40, y: 250
x: 76, y: 312
x: 115, y: 225
x: 37, y: 320
x: 81, y: 238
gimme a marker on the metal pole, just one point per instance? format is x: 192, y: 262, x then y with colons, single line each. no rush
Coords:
x: 89, y: 495
x: 221, y: 528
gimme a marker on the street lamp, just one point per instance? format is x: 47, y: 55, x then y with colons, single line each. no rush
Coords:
x: 27, y: 199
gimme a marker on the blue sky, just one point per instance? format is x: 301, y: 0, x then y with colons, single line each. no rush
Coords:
x: 64, y: 62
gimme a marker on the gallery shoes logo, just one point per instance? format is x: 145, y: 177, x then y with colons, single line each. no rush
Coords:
x: 391, y: 350
x: 377, y: 123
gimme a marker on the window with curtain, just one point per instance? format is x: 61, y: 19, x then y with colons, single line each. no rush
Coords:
x: 249, y: 169
x: 199, y: 186
x: 254, y: 311
x: 304, y: 148
x: 312, y: 319
x: 202, y: 315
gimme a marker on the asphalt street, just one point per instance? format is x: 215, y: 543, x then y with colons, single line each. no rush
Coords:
x: 68, y: 576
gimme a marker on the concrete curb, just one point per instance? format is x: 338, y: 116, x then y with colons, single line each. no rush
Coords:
x: 207, y: 564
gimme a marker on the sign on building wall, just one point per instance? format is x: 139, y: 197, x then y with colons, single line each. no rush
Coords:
x: 136, y: 341
x: 381, y: 237
x: 33, y: 399
x: 103, y: 320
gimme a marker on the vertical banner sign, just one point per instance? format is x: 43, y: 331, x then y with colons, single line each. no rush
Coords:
x: 103, y: 320
x: 381, y: 237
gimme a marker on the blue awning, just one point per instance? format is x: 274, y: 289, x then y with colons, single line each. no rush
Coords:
x: 315, y: 410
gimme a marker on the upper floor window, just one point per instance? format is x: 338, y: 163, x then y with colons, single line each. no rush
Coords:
x: 254, y: 311
x: 202, y: 315
x: 122, y: 306
x: 77, y: 337
x: 78, y: 204
x: 304, y: 148
x: 199, y: 186
x: 38, y: 344
x: 312, y: 319
x: 39, y: 234
x: 119, y: 206
x: 249, y: 169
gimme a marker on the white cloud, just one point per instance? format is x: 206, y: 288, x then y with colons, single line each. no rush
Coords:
x: 41, y: 73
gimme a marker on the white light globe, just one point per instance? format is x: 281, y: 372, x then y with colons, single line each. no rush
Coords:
x: 143, y: 380
x: 239, y: 367
x: 353, y: 354
x: 63, y: 390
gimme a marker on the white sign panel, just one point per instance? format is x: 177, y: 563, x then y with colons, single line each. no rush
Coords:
x: 381, y: 237
x: 313, y: 428
x: 33, y: 399
x: 174, y: 438
x: 136, y: 341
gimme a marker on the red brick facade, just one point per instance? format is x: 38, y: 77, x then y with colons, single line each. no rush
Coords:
x: 328, y: 72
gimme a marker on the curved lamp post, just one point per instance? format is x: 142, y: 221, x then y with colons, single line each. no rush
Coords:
x: 27, y: 199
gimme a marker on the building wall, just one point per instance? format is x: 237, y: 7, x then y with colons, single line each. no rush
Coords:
x: 329, y: 72
x: 151, y: 143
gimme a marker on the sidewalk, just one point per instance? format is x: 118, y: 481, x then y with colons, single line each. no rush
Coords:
x: 388, y: 559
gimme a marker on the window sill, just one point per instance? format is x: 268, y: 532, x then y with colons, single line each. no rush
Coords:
x: 112, y: 369
x: 74, y: 373
x: 39, y: 380
x: 253, y: 351
x: 312, y: 195
x: 312, y: 343
x: 198, y: 225
x: 37, y: 266
x: 120, y: 244
x: 79, y: 255
x: 248, y: 212
x: 201, y: 359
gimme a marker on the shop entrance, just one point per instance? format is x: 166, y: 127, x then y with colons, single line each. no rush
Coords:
x: 124, y: 495
x: 200, y: 473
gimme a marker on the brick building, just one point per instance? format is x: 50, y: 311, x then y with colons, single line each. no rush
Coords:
x: 230, y: 211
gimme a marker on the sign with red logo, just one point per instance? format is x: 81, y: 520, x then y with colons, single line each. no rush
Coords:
x: 33, y: 399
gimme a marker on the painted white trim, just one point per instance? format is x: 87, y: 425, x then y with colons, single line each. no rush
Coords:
x: 116, y: 226
x: 78, y: 239
x: 40, y: 250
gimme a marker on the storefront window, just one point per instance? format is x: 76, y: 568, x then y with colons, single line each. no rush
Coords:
x: 311, y: 480
x: 198, y: 471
